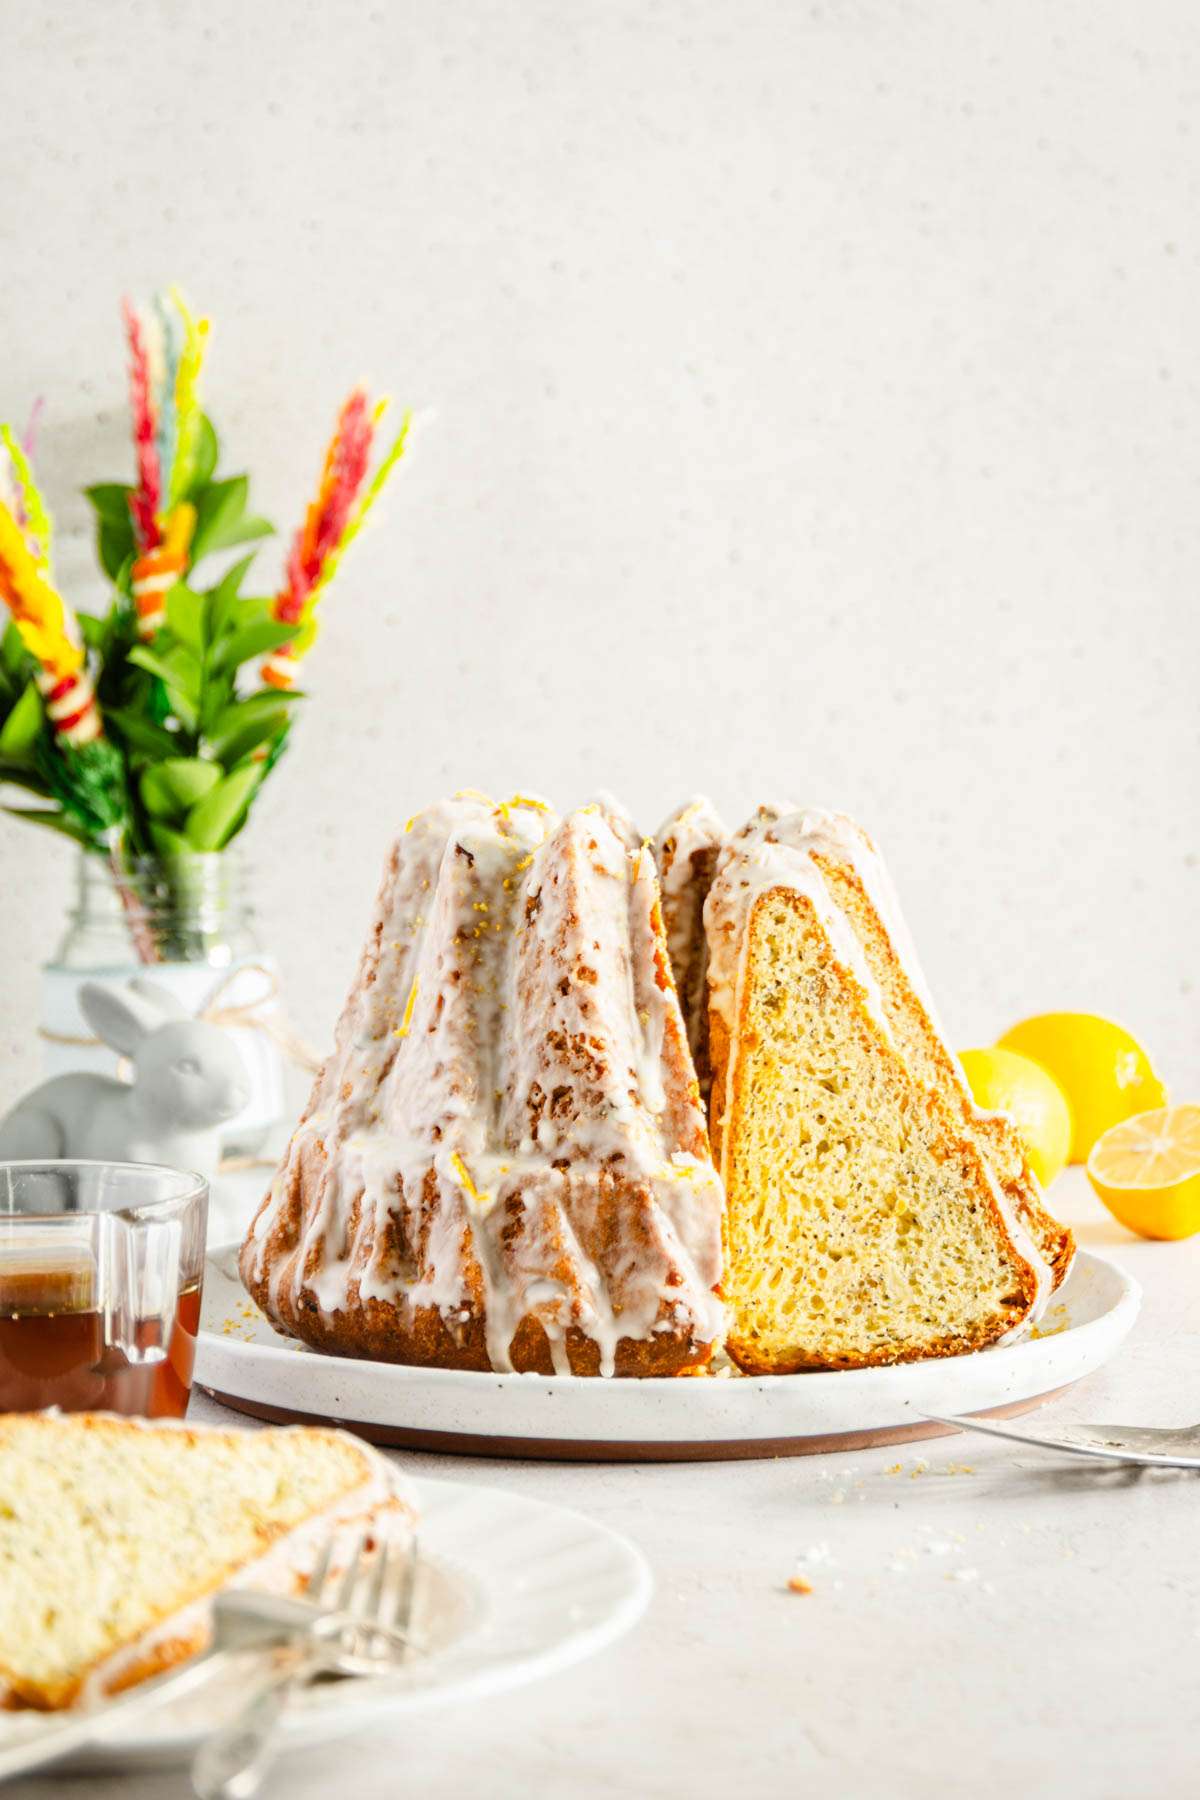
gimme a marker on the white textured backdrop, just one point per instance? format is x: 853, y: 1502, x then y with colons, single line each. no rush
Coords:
x: 817, y: 397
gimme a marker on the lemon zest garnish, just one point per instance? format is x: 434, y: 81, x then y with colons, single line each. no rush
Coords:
x: 463, y: 1176
x: 525, y: 862
x: 402, y: 1028
x: 529, y: 801
x: 475, y: 794
x: 683, y: 1167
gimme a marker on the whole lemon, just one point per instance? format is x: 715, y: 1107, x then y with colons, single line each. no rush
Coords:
x: 1104, y: 1072
x: 1002, y: 1081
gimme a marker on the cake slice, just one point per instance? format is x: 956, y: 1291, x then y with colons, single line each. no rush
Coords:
x: 686, y: 850
x: 860, y: 884
x: 115, y: 1534
x: 873, y: 1214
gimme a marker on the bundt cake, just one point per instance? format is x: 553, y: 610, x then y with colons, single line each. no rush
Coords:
x: 874, y: 1215
x: 686, y: 850
x: 504, y: 1163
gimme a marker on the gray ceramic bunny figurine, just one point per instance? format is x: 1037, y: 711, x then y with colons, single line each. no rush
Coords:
x: 188, y: 1078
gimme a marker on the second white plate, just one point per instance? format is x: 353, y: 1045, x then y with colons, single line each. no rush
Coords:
x: 241, y: 1360
x: 509, y: 1590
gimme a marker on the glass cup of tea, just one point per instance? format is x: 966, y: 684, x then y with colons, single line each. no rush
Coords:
x: 100, y: 1274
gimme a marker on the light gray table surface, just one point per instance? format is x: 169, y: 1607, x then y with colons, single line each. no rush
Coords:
x: 812, y: 406
x: 982, y: 1617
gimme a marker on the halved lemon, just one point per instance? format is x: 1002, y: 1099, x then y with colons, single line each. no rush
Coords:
x: 1104, y: 1072
x: 1147, y: 1172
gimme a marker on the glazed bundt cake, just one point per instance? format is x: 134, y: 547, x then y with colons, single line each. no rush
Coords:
x: 504, y: 1163
x: 874, y: 1214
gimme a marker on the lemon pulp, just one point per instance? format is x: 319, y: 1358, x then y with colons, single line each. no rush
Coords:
x: 1147, y: 1172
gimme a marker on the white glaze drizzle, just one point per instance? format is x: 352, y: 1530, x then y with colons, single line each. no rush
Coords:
x: 505, y: 941
x: 777, y: 849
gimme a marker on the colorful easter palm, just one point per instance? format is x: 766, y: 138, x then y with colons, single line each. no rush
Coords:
x: 52, y: 742
x: 333, y: 519
x: 145, y: 731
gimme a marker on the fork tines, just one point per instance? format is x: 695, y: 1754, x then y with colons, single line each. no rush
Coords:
x: 374, y: 1584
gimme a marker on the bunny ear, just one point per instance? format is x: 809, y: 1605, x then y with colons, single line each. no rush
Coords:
x: 120, y: 1018
x: 161, y: 998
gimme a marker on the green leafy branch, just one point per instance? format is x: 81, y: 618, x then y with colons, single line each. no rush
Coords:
x: 184, y: 753
x: 197, y: 750
x: 222, y: 521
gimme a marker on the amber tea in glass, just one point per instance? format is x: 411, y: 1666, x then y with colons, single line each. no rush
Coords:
x: 100, y: 1282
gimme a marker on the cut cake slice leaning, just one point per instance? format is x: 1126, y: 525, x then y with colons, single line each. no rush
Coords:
x: 115, y: 1535
x: 874, y: 1215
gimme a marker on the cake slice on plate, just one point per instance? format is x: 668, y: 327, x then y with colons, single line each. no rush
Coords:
x: 874, y: 1215
x: 116, y: 1534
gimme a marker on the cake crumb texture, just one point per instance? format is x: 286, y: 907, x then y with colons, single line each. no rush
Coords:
x: 109, y: 1528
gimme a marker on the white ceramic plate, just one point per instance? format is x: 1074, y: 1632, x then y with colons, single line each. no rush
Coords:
x: 244, y: 1362
x: 509, y: 1590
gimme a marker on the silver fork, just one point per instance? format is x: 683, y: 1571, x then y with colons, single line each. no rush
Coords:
x: 1145, y: 1446
x: 363, y: 1627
